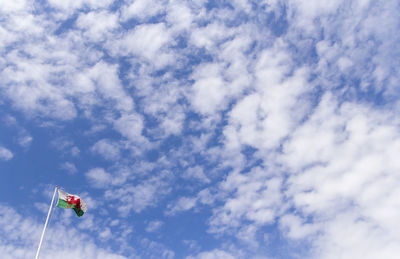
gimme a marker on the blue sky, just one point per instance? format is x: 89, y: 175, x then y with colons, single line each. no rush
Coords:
x: 201, y: 129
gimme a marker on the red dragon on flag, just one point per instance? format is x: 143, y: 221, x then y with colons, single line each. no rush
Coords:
x: 71, y: 201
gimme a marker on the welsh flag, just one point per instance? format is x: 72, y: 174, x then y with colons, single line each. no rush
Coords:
x: 71, y: 201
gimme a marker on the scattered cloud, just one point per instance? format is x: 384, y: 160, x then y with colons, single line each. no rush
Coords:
x: 20, y: 233
x: 196, y: 173
x: 107, y: 149
x: 183, y: 204
x: 269, y: 118
x: 213, y: 254
x: 140, y: 196
x: 98, y: 177
x: 69, y: 167
x: 96, y: 25
x: 25, y: 141
x: 142, y: 9
x: 131, y: 127
x: 5, y: 154
x: 153, y: 226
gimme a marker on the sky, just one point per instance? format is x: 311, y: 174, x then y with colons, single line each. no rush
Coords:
x: 201, y: 129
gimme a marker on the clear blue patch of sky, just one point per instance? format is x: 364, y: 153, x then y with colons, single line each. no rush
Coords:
x: 218, y: 4
x: 189, y: 226
x: 66, y: 25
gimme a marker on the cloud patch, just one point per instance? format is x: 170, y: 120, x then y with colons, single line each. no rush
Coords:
x: 5, y: 154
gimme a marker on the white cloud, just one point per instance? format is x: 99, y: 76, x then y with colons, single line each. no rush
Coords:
x: 105, y: 76
x: 20, y: 233
x: 15, y: 6
x: 98, y: 177
x: 295, y: 227
x: 95, y: 129
x: 5, y: 154
x: 314, y: 8
x: 145, y: 194
x: 353, y: 34
x: 196, y: 173
x: 107, y: 149
x: 342, y: 160
x: 69, y: 6
x: 324, y: 174
x: 160, y: 100
x: 149, y: 41
x: 218, y: 83
x: 153, y: 226
x: 213, y: 254
x: 210, y: 35
x: 351, y: 237
x: 339, y: 161
x: 117, y: 176
x: 256, y: 197
x: 62, y: 143
x: 28, y: 82
x: 105, y: 234
x: 142, y: 9
x: 69, y: 167
x: 97, y: 25
x: 131, y: 127
x: 65, y: 145
x: 182, y: 204
x: 75, y: 151
x: 158, y: 250
x: 209, y: 90
x: 25, y: 141
x: 179, y: 15
x: 172, y: 123
x: 40, y: 99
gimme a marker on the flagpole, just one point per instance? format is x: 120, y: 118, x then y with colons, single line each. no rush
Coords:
x: 47, y: 220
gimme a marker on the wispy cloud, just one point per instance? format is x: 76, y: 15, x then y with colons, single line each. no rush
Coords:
x: 20, y: 233
x: 108, y: 149
x: 5, y: 154
x: 69, y: 167
x: 154, y: 226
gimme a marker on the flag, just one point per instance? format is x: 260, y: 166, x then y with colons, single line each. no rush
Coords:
x: 71, y: 201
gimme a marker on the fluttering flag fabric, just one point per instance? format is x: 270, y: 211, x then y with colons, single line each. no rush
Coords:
x: 71, y: 201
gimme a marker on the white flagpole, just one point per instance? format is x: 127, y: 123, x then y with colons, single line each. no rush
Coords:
x: 45, y: 224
